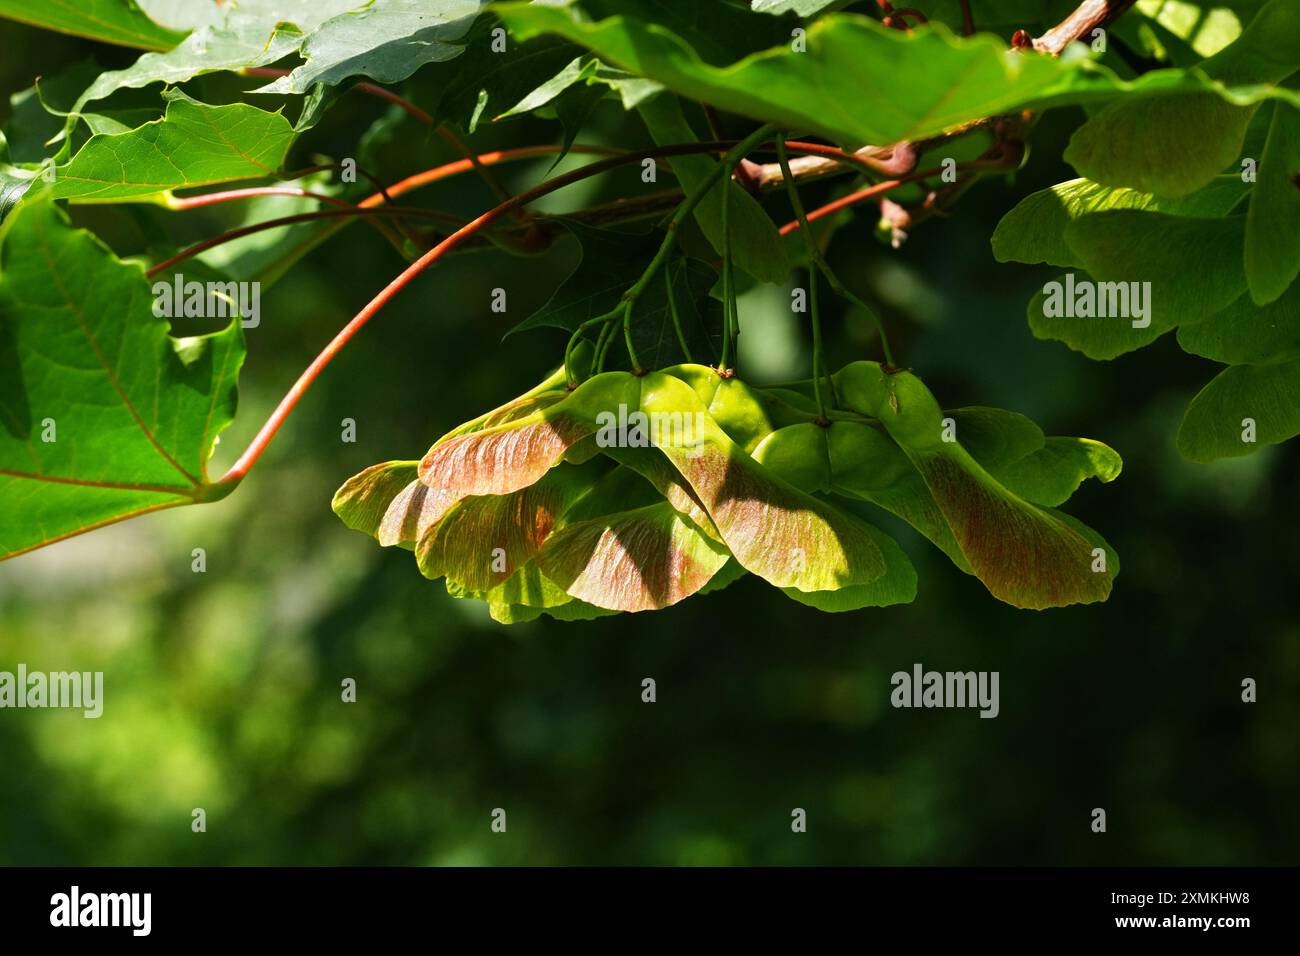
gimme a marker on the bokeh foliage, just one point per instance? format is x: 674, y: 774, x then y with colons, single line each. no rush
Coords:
x: 222, y: 688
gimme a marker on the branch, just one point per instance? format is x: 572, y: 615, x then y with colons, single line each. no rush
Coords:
x: 447, y: 135
x: 900, y: 158
x: 1090, y: 15
x: 318, y: 364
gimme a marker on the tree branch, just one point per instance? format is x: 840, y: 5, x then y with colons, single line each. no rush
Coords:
x: 1090, y: 15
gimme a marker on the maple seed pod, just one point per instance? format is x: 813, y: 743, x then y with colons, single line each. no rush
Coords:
x: 735, y: 406
x: 897, y: 397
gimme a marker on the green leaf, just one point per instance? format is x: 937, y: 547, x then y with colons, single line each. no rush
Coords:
x: 1267, y: 51
x: 387, y: 40
x: 247, y: 43
x: 192, y: 145
x: 1034, y: 231
x: 1248, y: 334
x: 113, y: 21
x: 1172, y: 146
x: 12, y: 189
x: 1027, y: 556
x: 103, y: 415
x: 858, y: 81
x: 611, y: 262
x: 252, y: 33
x: 486, y: 83
x: 1216, y: 422
x: 1053, y: 473
x: 1167, y: 145
x: 755, y: 243
x: 1207, y: 26
x: 31, y: 125
x: 689, y: 282
x: 1193, y: 267
x: 635, y: 559
x: 934, y: 80
x: 803, y: 8
x: 1273, y: 224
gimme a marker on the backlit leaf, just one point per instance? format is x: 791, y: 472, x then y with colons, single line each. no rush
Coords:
x: 103, y: 415
x: 192, y: 145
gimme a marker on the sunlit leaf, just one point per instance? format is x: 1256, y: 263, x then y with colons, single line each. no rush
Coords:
x: 1178, y: 270
x: 1248, y: 334
x: 113, y: 21
x: 192, y: 145
x: 1242, y: 409
x: 387, y: 40
x: 1273, y: 224
x: 103, y: 415
x: 902, y: 85
x: 1034, y: 231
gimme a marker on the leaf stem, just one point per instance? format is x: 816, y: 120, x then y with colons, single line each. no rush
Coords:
x: 878, y: 189
x: 421, y: 116
x: 728, y: 292
x: 287, y: 404
x: 720, y: 173
x: 818, y: 261
x: 233, y: 234
x: 676, y: 315
x: 819, y: 364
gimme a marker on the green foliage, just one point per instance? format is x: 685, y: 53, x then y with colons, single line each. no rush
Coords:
x: 105, y: 414
x: 1262, y: 398
x: 588, y: 526
x: 1273, y: 226
x: 613, y: 261
x: 902, y: 85
x: 754, y: 242
x: 385, y: 41
x: 223, y: 685
x: 113, y: 21
x: 192, y: 145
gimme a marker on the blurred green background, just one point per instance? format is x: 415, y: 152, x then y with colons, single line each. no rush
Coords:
x: 223, y: 688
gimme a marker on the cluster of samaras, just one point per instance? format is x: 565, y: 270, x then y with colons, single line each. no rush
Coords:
x: 543, y: 506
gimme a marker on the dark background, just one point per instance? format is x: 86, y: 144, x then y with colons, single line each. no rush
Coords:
x: 222, y: 689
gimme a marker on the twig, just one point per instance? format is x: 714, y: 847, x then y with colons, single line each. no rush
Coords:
x: 818, y: 262
x: 967, y: 21
x: 421, y: 116
x: 287, y: 404
x: 1090, y: 15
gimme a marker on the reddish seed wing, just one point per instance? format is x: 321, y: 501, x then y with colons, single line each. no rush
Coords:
x: 510, y: 456
x: 1025, y: 555
x: 637, y: 560
x: 388, y: 502
x: 483, y: 540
